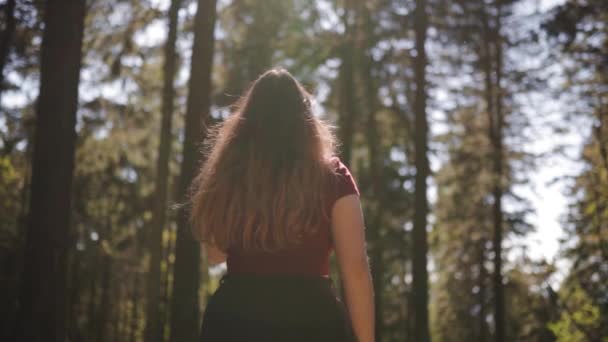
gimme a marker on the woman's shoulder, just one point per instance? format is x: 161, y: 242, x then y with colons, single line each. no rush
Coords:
x: 338, y: 167
x: 345, y: 182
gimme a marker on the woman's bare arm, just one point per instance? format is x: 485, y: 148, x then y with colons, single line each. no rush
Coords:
x: 348, y: 232
x: 214, y: 255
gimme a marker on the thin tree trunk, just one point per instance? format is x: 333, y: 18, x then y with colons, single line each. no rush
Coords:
x: 116, y: 313
x: 75, y: 296
x: 7, y: 38
x: 42, y: 315
x: 92, y: 303
x: 419, y: 262
x: 154, y: 323
x: 411, y: 313
x: 346, y: 96
x: 101, y: 324
x: 489, y: 56
x: 364, y: 66
x: 374, y: 230
x: 601, y: 133
x: 482, y: 291
x: 134, y: 319
x: 167, y: 284
x: 259, y: 41
x: 378, y: 276
x: 499, y: 300
x: 185, y: 293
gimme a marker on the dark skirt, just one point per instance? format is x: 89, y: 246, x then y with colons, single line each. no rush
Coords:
x: 275, y: 308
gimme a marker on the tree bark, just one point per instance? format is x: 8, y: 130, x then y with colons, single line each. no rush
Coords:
x: 105, y: 305
x: 373, y: 231
x: 346, y: 96
x: 420, y: 247
x: 497, y: 156
x: 133, y: 317
x: 42, y: 315
x: 482, y: 290
x: 154, y: 322
x: 167, y: 284
x: 75, y: 291
x: 378, y: 270
x: 92, y: 300
x: 184, y: 306
x: 491, y: 59
x: 369, y: 94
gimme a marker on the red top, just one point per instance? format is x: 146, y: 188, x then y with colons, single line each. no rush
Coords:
x: 309, y: 258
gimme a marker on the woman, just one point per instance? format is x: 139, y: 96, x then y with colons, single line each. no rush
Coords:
x: 273, y: 201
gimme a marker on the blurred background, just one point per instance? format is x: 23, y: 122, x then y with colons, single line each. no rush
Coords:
x: 492, y: 112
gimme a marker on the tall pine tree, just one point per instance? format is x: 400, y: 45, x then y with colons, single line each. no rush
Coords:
x: 184, y: 303
x: 43, y: 299
x: 154, y: 322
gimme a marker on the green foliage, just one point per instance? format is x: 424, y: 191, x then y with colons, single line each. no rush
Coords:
x: 578, y: 29
x: 10, y: 202
x: 574, y: 325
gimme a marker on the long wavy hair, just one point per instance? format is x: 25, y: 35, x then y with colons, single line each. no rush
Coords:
x: 261, y: 185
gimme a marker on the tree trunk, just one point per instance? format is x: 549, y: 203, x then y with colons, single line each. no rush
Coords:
x: 185, y: 299
x: 378, y: 274
x: 42, y: 315
x: 75, y: 290
x: 92, y: 302
x: 7, y: 37
x: 482, y: 291
x: 260, y: 38
x: 491, y: 58
x: 134, y: 316
x: 116, y: 313
x: 167, y: 283
x: 375, y: 239
x: 154, y: 322
x: 419, y: 262
x: 499, y: 300
x: 346, y: 89
x: 369, y: 89
x: 105, y: 304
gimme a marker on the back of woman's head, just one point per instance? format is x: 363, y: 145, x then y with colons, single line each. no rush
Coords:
x: 262, y: 180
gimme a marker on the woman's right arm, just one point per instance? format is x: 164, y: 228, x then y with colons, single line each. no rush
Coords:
x: 348, y: 232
